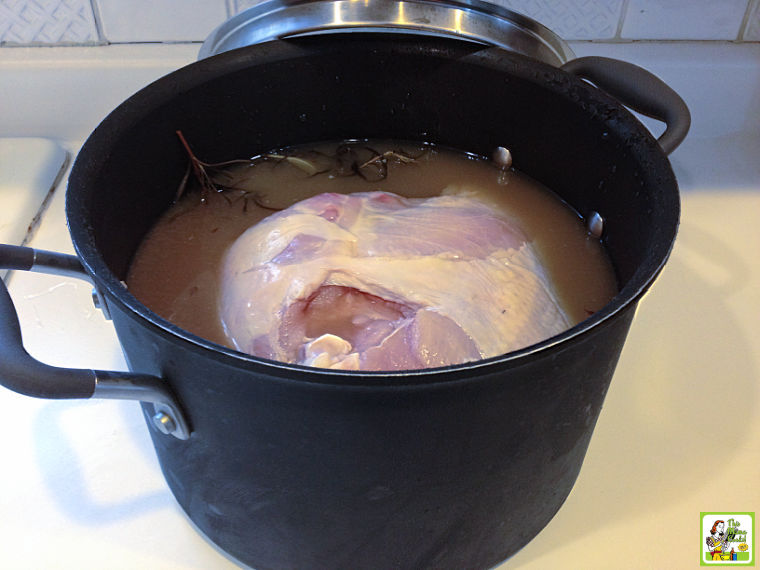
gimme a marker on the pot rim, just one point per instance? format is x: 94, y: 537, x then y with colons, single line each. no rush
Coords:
x: 103, y: 277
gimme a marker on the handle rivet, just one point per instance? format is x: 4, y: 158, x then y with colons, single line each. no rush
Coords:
x: 164, y: 423
x: 502, y: 157
x: 96, y: 299
x: 595, y: 224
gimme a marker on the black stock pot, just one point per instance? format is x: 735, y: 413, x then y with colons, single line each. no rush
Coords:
x: 292, y: 467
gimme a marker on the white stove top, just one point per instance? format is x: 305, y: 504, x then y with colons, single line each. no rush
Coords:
x: 679, y: 432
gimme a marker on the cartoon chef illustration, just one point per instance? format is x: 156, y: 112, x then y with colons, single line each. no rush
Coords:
x: 717, y: 541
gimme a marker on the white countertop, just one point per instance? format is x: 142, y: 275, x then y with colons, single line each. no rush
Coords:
x: 679, y: 433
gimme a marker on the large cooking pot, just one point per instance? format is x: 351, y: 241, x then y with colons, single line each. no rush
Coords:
x: 285, y: 466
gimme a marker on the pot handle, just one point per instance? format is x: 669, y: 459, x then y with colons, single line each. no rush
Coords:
x: 22, y: 373
x: 640, y: 90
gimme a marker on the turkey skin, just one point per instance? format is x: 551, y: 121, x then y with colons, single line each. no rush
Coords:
x: 375, y: 281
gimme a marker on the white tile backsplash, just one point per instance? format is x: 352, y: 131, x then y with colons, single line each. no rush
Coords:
x: 684, y: 19
x: 160, y: 20
x: 27, y: 22
x: 241, y: 5
x: 54, y: 22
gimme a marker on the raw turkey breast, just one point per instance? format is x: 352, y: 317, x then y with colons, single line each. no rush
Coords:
x: 374, y: 281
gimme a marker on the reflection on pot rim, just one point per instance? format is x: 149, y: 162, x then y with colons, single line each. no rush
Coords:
x: 470, y: 20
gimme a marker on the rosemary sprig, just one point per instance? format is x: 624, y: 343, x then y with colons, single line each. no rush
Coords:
x: 350, y: 159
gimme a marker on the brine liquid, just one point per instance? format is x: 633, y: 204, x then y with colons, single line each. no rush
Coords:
x: 176, y: 270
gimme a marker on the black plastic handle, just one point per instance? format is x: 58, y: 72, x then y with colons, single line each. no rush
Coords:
x: 639, y: 89
x: 24, y: 374
x: 19, y: 371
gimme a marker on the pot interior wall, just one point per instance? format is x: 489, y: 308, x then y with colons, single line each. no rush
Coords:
x: 561, y: 131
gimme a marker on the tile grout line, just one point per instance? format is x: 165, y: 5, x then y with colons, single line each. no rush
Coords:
x: 744, y: 27
x: 621, y: 19
x: 99, y: 28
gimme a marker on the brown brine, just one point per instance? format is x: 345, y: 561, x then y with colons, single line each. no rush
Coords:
x: 176, y: 270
